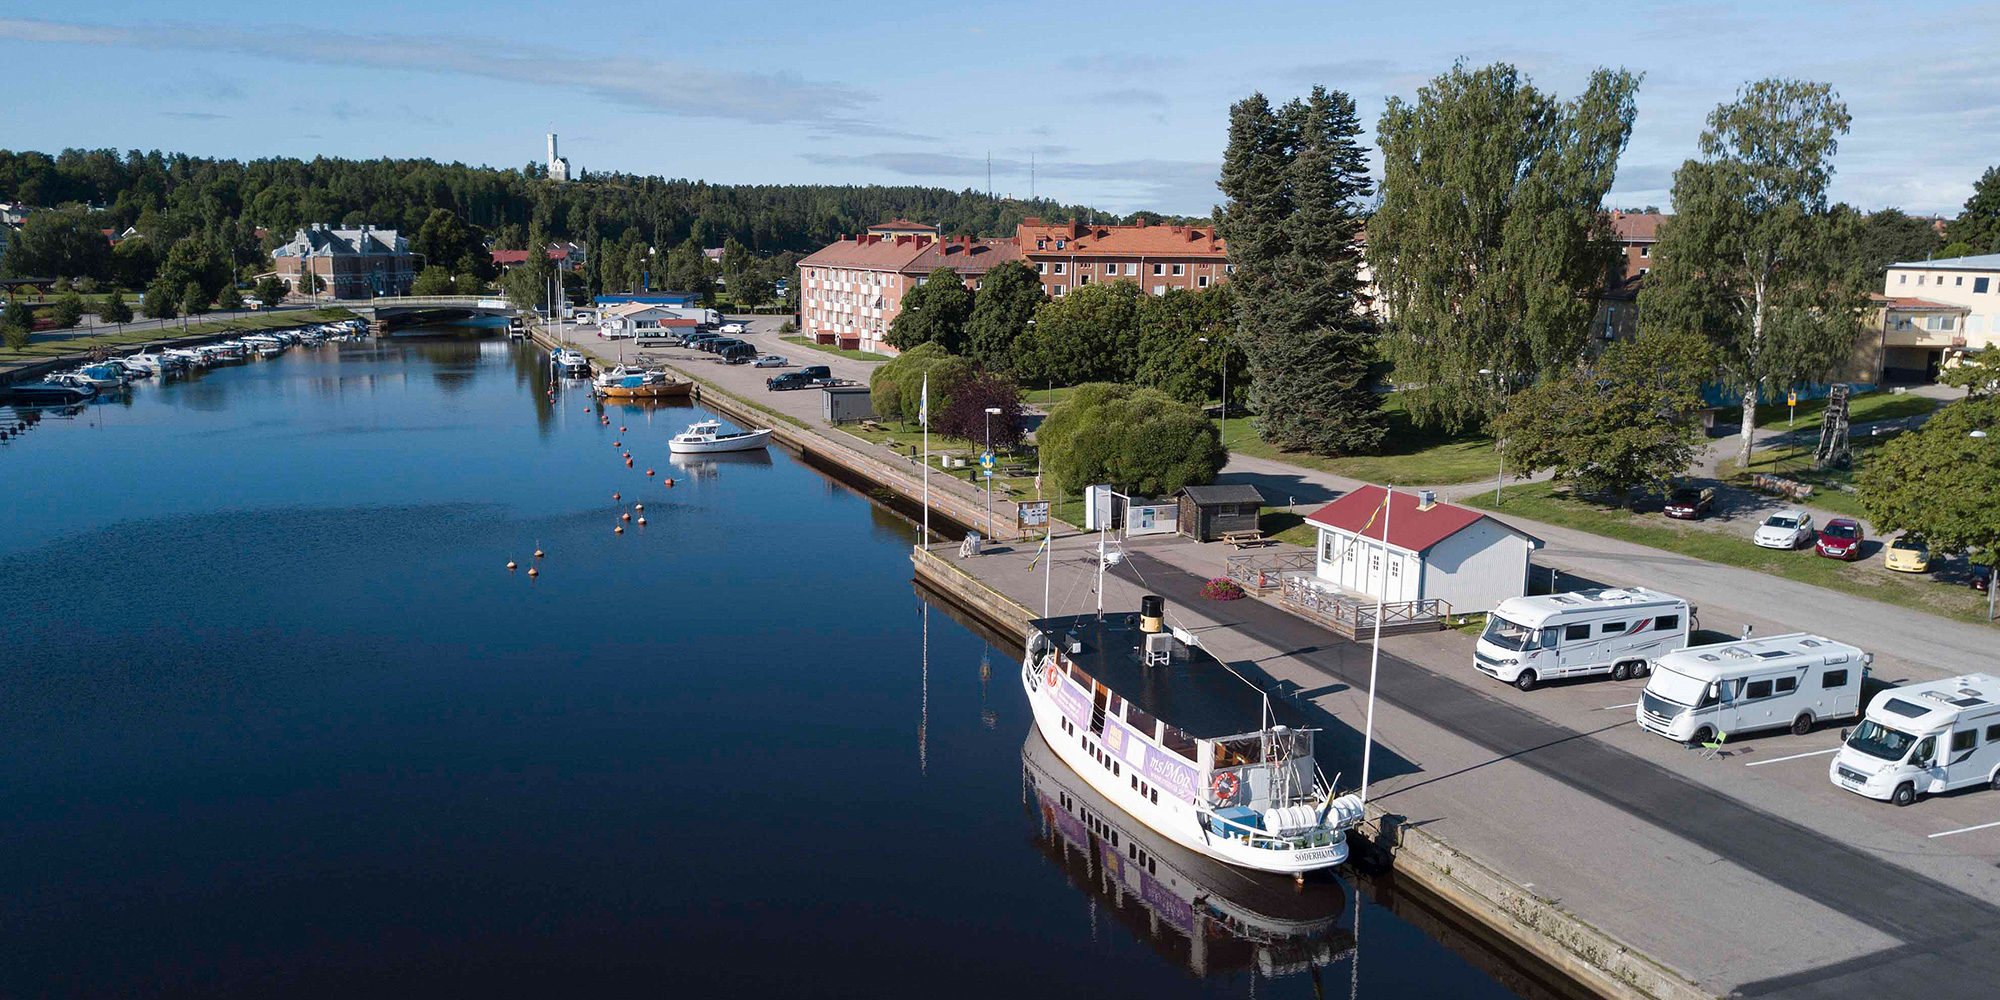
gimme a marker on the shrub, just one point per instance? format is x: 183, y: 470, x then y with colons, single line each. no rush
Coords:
x: 896, y: 388
x: 1222, y: 589
x: 1139, y: 439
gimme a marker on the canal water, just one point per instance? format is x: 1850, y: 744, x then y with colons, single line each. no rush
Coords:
x: 279, y: 720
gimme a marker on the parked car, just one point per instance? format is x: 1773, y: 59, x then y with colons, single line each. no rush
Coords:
x: 772, y: 361
x: 816, y: 372
x: 1982, y: 578
x: 1907, y: 554
x: 1689, y: 503
x: 1840, y: 539
x: 1786, y: 529
x: 789, y: 380
x: 732, y: 327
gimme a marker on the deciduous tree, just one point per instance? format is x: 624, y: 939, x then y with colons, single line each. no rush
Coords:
x: 1938, y: 482
x: 433, y: 280
x: 1625, y: 422
x: 115, y: 309
x: 896, y: 388
x: 1490, y: 243
x: 194, y: 299
x: 966, y: 415
x: 229, y: 299
x: 1008, y: 296
x: 1172, y: 355
x: 1754, y: 258
x: 58, y: 243
x: 1089, y: 335
x: 270, y: 291
x: 68, y: 310
x: 1141, y: 440
x: 934, y: 312
x: 159, y: 302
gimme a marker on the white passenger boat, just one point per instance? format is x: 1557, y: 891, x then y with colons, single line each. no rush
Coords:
x: 571, y: 362
x: 706, y: 436
x: 1184, y: 744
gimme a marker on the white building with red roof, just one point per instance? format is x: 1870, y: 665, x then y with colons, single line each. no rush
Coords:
x: 1433, y: 550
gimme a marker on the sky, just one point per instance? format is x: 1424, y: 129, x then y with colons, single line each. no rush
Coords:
x: 1116, y: 105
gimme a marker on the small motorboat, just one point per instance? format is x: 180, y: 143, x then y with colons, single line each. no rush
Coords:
x: 47, y: 393
x: 103, y: 375
x: 707, y: 436
x: 625, y: 382
x: 571, y: 362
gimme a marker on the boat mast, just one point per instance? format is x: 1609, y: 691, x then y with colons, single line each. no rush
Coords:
x: 1375, y: 655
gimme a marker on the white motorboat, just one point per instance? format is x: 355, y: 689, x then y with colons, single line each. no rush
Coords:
x: 707, y: 436
x: 1184, y: 744
x: 571, y: 362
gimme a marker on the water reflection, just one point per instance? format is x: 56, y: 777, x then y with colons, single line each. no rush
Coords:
x: 1198, y: 912
x: 711, y: 465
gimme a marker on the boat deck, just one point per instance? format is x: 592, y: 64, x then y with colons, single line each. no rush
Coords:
x: 1194, y: 692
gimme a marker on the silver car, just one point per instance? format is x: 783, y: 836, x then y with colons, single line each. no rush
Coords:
x: 772, y: 361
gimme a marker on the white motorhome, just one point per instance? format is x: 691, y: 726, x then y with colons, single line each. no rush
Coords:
x: 1616, y: 631
x: 1924, y: 738
x: 1797, y: 680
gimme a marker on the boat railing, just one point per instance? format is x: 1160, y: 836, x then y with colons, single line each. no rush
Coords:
x: 1262, y: 838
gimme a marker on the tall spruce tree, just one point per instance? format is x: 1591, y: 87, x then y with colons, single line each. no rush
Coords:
x: 1296, y: 178
x: 1490, y: 244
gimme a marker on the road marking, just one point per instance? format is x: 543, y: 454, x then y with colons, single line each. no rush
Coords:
x: 1967, y: 829
x: 1608, y: 708
x: 1796, y: 756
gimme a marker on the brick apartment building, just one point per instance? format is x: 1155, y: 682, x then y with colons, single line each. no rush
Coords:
x: 1070, y: 255
x: 851, y: 290
x: 351, y: 263
x: 1636, y: 233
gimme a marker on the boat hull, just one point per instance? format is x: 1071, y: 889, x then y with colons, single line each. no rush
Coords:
x: 1175, y: 820
x: 658, y: 391
x: 747, y: 442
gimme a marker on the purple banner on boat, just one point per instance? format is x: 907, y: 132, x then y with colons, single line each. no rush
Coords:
x: 1170, y: 772
x: 1071, y: 699
x: 1162, y: 900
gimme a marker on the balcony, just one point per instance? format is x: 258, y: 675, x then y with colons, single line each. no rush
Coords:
x: 1916, y: 336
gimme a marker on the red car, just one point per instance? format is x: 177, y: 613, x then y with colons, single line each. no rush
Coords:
x: 1840, y: 539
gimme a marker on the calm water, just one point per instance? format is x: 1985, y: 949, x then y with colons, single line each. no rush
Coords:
x: 279, y: 721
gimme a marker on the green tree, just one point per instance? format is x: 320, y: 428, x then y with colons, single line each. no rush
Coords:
x: 1296, y: 179
x: 1490, y: 244
x: 446, y: 241
x: 115, y: 309
x: 194, y: 299
x: 1009, y: 293
x: 1978, y: 373
x: 307, y: 283
x: 229, y: 299
x: 688, y: 270
x: 1890, y: 237
x: 58, y: 243
x: 1173, y: 356
x: 1626, y: 422
x: 159, y: 301
x: 934, y: 312
x: 1956, y: 250
x: 1141, y: 440
x: 433, y: 280
x: 1938, y: 482
x: 133, y: 262
x: 270, y: 291
x: 1754, y: 258
x: 527, y: 285
x: 896, y: 388
x: 18, y: 322
x: 68, y: 310
x: 1978, y: 224
x: 1089, y: 335
x: 199, y: 261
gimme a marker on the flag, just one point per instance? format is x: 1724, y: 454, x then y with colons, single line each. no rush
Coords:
x: 1040, y: 551
x: 924, y: 407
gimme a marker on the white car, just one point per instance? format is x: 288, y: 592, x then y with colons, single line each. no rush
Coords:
x: 1786, y: 529
x: 771, y: 361
x: 732, y: 328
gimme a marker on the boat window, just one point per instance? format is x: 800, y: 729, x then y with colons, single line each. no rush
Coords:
x: 1112, y: 704
x: 1083, y: 680
x: 1610, y: 627
x: 1179, y: 742
x: 1667, y: 623
x: 1237, y: 753
x: 1139, y: 719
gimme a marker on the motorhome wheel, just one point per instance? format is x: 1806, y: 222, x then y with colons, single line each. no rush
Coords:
x: 1526, y: 681
x: 1621, y: 672
x: 1702, y: 735
x: 1994, y: 782
x: 1803, y: 724
x: 1906, y: 793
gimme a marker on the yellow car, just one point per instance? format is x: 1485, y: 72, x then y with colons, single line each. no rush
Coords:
x: 1908, y: 555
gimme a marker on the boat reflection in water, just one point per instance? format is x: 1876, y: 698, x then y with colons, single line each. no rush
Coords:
x: 1211, y: 916
x: 708, y: 466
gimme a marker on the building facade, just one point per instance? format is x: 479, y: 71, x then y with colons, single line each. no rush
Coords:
x: 851, y: 290
x: 1071, y: 255
x: 350, y: 263
x: 1931, y: 312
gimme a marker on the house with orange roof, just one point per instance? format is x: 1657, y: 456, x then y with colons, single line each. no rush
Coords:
x: 851, y: 290
x: 1070, y: 255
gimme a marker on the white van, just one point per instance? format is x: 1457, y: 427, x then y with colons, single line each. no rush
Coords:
x: 1796, y: 680
x: 1608, y: 631
x: 1923, y: 738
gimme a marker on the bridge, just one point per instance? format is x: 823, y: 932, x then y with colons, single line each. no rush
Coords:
x: 393, y: 309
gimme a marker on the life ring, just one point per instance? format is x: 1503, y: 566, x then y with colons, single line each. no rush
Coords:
x: 1224, y: 786
x: 1050, y: 674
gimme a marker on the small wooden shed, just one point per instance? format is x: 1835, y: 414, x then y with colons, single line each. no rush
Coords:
x: 1209, y: 512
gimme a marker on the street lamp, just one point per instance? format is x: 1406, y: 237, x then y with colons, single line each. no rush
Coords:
x: 1225, y: 390
x: 987, y: 468
x: 1499, y: 443
x: 1993, y: 568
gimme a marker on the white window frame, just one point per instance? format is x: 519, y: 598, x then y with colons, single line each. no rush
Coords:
x: 1059, y: 267
x: 1201, y: 282
x: 1159, y: 269
x: 1180, y: 270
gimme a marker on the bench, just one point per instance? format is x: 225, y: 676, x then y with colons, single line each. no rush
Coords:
x: 1243, y: 538
x: 871, y: 425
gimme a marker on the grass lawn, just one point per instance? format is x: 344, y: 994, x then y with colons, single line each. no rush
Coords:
x: 1541, y: 502
x: 1411, y: 456
x: 46, y: 348
x: 1797, y: 465
x: 1860, y: 409
x: 1288, y: 527
x: 830, y: 349
x: 1047, y: 397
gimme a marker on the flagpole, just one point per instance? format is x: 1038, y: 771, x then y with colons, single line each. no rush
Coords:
x: 1375, y: 655
x: 924, y: 414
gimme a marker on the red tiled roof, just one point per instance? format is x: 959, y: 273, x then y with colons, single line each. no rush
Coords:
x: 1084, y: 240
x: 964, y: 255
x: 868, y: 253
x: 504, y: 257
x: 1636, y: 227
x: 1412, y: 529
x: 902, y: 225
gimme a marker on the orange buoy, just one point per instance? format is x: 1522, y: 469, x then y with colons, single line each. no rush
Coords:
x: 649, y: 472
x: 625, y: 455
x: 532, y: 571
x: 628, y: 463
x: 618, y: 530
x: 510, y: 564
x: 616, y: 444
x: 538, y: 553
x: 642, y: 522
x: 670, y: 484
x: 614, y: 496
x: 625, y: 517
x: 638, y: 506
x: 621, y: 428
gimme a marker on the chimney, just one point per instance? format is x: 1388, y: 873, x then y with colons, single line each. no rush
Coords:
x: 1032, y: 220
x: 1141, y: 224
x: 1426, y: 499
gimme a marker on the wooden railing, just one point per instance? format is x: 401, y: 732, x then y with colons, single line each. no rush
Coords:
x: 1265, y: 572
x: 1354, y: 616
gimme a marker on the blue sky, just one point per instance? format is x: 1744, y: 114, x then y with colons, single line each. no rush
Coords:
x: 1119, y: 105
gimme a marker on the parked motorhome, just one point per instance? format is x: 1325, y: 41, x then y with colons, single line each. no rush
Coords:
x: 1920, y: 739
x: 1616, y: 631
x: 1797, y: 680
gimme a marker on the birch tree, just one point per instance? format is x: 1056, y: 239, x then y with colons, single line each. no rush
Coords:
x: 1755, y: 258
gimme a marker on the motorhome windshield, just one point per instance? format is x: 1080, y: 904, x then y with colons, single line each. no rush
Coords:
x: 1508, y: 635
x: 1877, y: 740
x: 1676, y: 687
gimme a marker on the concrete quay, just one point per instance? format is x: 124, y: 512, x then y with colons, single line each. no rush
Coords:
x: 1636, y: 866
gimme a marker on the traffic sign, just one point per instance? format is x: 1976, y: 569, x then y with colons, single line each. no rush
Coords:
x: 986, y: 460
x: 1791, y: 399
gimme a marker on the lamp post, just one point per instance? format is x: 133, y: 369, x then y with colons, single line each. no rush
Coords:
x: 1992, y: 568
x: 1499, y: 443
x: 987, y: 468
x: 1225, y: 390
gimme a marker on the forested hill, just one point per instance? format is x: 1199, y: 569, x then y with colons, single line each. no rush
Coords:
x: 176, y: 194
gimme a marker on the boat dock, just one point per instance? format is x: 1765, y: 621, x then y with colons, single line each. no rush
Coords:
x: 1634, y: 865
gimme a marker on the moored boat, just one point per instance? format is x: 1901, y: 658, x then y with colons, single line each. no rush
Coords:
x: 625, y: 382
x: 571, y: 362
x: 706, y: 436
x: 1184, y: 744
x: 47, y: 393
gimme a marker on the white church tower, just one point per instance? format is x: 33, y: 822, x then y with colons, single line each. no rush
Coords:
x: 558, y: 167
